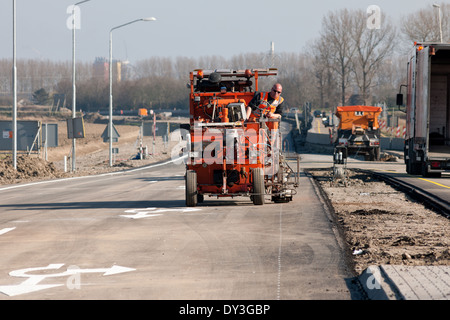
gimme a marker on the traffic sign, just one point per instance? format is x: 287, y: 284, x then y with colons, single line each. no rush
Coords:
x: 115, y: 134
x: 75, y: 128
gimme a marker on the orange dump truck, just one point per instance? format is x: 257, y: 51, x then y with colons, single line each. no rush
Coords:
x: 230, y: 155
x: 358, y: 130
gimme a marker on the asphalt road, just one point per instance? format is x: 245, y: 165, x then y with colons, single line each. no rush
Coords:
x: 130, y: 236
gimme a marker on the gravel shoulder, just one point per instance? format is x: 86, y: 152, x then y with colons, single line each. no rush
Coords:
x: 384, y: 226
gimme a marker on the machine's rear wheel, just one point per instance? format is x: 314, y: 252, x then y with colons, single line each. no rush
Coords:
x: 258, y: 187
x: 191, y: 188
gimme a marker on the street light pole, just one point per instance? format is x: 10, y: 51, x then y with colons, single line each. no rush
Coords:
x: 110, y: 84
x: 440, y: 19
x: 74, y: 87
x: 14, y: 72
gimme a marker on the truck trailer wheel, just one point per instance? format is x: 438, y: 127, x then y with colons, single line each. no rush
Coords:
x: 427, y: 174
x: 373, y: 154
x: 412, y: 167
x: 258, y: 187
x: 377, y: 154
x: 191, y: 188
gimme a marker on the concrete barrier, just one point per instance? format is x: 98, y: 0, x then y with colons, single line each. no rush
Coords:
x: 318, y: 138
x: 392, y: 144
x: 385, y: 143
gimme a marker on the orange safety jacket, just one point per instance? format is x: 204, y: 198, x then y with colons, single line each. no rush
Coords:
x: 265, y: 107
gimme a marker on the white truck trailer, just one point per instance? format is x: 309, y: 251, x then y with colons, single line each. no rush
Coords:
x: 427, y: 142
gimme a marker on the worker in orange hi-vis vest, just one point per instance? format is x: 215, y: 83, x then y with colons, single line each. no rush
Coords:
x: 268, y: 104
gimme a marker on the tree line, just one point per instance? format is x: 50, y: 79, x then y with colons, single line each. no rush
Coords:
x: 348, y: 63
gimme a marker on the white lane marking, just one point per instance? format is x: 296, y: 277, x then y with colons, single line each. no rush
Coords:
x: 90, y: 176
x: 279, y: 255
x: 32, y: 283
x: 5, y: 230
x: 154, y: 212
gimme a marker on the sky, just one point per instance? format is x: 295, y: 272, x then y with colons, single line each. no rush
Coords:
x: 183, y: 28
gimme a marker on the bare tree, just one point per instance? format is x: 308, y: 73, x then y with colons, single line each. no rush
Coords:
x: 249, y: 60
x: 183, y: 66
x: 391, y: 73
x: 323, y: 71
x: 371, y: 48
x: 294, y: 75
x: 155, y: 66
x: 423, y: 25
x: 336, y: 34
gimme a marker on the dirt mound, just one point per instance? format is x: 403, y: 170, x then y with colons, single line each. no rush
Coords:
x: 382, y: 225
x: 92, y: 117
x: 92, y: 154
x: 28, y: 168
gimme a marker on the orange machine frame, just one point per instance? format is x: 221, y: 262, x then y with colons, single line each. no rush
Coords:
x: 253, y: 141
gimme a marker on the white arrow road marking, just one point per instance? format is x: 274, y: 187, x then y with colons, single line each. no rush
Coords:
x: 23, y: 288
x: 32, y: 283
x: 153, y: 212
x: 5, y: 230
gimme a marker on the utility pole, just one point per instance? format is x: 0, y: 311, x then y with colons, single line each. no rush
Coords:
x: 440, y: 19
x: 74, y: 87
x: 14, y: 71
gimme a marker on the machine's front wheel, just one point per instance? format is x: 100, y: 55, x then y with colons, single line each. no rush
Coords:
x: 191, y: 188
x: 258, y: 187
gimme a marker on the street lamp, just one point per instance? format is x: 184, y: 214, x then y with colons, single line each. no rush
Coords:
x: 110, y: 83
x: 14, y: 72
x: 440, y: 19
x: 74, y: 87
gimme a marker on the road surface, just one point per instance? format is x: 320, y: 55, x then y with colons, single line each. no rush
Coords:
x: 130, y: 236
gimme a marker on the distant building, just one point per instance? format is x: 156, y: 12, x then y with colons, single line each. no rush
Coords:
x: 101, y: 68
x: 121, y: 69
x: 125, y: 70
